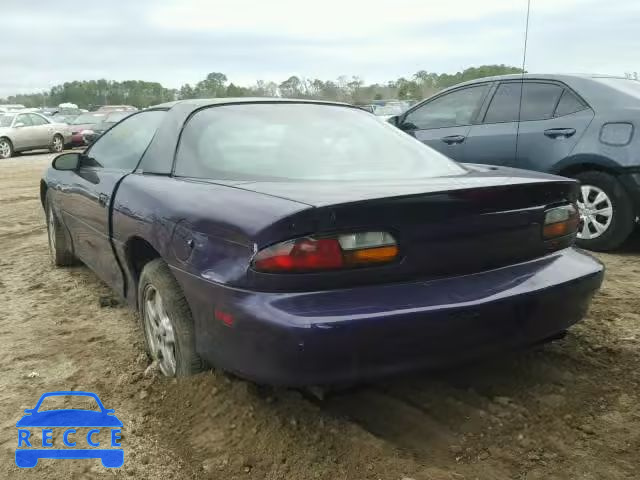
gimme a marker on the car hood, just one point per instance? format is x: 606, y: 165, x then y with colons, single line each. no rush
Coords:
x: 322, y: 193
x: 69, y: 418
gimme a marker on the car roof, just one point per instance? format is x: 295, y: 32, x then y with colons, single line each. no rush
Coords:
x: 597, y: 94
x: 158, y: 158
x: 538, y: 76
x: 196, y: 103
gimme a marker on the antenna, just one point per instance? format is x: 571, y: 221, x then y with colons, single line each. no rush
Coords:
x: 524, y: 62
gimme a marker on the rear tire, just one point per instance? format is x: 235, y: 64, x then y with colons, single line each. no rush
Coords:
x: 165, y: 315
x: 6, y: 148
x: 621, y: 223
x: 60, y: 251
x: 57, y: 144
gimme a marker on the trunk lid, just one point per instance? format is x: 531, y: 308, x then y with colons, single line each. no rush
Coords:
x: 486, y: 219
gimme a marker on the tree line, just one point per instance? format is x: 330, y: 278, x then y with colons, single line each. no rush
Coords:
x: 142, y: 94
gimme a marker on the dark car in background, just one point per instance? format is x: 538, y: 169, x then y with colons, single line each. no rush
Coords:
x: 84, y: 124
x: 109, y: 120
x: 308, y: 243
x: 579, y: 126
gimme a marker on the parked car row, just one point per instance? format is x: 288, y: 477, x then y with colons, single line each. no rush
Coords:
x: 24, y: 129
x: 20, y: 132
x: 294, y: 242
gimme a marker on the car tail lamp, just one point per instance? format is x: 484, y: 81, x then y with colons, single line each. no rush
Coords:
x: 560, y: 221
x: 333, y: 252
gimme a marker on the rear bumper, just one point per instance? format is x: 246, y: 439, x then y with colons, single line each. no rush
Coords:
x: 347, y: 335
x: 78, y: 140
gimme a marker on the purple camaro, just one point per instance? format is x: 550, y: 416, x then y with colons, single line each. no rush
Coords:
x: 308, y: 243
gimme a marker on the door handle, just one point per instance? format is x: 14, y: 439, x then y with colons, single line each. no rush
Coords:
x: 103, y: 199
x: 453, y: 139
x: 559, y: 132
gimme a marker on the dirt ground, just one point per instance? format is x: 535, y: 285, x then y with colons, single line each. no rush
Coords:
x: 568, y: 410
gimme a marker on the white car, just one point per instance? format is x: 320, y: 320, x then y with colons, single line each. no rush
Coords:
x: 20, y: 132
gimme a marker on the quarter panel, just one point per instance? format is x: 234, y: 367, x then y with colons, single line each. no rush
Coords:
x: 207, y: 230
x: 617, y: 156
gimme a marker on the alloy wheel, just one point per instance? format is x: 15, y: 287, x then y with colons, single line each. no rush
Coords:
x: 57, y: 144
x: 159, y: 331
x: 5, y: 149
x: 596, y: 212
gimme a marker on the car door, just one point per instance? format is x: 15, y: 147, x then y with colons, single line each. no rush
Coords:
x: 42, y: 130
x: 551, y: 126
x: 444, y: 121
x: 86, y: 204
x: 23, y: 135
x: 493, y: 140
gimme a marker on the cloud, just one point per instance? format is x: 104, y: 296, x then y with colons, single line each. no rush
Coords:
x: 179, y: 41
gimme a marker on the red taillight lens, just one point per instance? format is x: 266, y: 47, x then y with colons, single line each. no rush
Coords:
x: 300, y: 255
x: 327, y: 253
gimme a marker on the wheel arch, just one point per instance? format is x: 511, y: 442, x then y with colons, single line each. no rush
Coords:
x: 138, y: 251
x: 571, y: 166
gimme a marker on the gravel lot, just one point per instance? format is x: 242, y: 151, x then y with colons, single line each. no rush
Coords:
x: 569, y: 410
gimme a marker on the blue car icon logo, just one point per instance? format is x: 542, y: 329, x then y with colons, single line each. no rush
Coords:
x: 38, y: 425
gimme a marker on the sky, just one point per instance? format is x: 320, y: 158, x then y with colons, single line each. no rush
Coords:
x: 174, y: 42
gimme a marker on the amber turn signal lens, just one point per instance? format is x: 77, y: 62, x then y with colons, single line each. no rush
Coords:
x: 369, y: 256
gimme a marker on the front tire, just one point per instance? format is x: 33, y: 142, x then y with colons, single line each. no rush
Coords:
x: 167, y: 321
x: 6, y: 148
x: 57, y: 144
x: 60, y: 251
x: 606, y: 212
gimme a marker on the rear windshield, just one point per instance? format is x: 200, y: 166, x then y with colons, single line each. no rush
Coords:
x: 302, y: 142
x: 624, y: 85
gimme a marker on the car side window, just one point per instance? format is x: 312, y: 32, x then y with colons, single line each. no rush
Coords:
x: 37, y: 119
x: 538, y: 102
x: 123, y: 146
x: 452, y: 109
x: 24, y: 119
x: 569, y: 103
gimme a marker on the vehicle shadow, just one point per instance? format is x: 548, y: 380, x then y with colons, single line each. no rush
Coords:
x: 631, y: 246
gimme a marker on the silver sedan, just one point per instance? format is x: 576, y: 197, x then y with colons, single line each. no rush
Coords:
x: 30, y: 131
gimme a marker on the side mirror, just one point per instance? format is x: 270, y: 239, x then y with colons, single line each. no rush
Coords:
x: 19, y: 125
x: 67, y: 161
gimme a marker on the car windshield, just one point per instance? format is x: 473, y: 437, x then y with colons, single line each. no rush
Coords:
x: 302, y: 142
x: 625, y: 85
x: 88, y: 118
x: 394, y: 109
x: 5, y: 120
